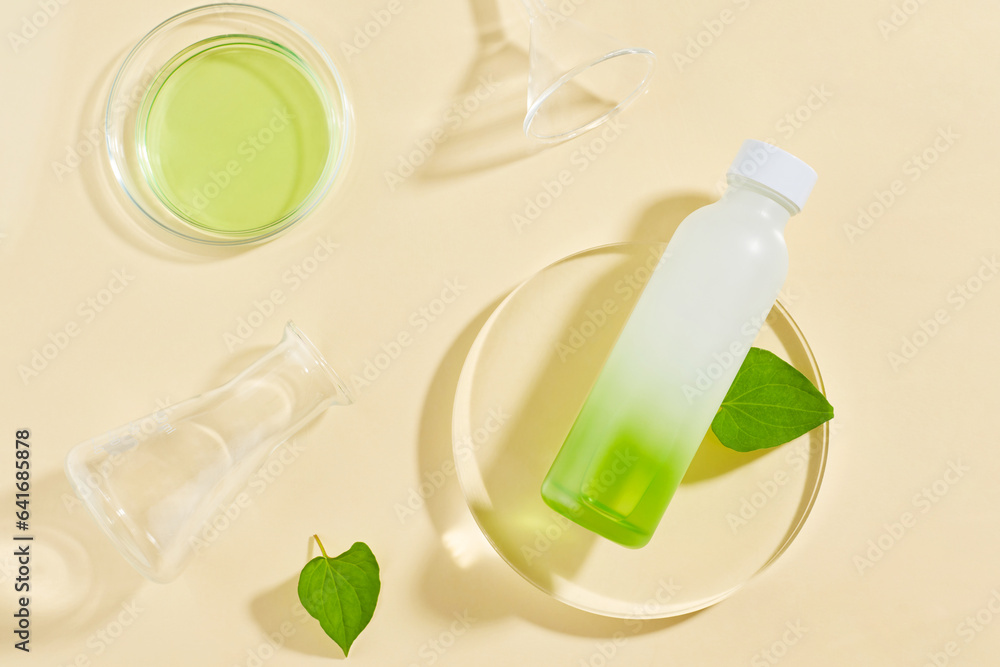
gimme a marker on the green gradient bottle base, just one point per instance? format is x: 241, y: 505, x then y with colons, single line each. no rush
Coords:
x: 609, y: 501
x: 594, y: 515
x: 732, y: 515
x: 629, y: 481
x: 233, y: 134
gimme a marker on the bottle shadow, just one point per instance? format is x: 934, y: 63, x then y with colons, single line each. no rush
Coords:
x: 660, y: 219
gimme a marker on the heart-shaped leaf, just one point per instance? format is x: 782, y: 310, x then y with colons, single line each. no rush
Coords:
x: 341, y: 592
x: 769, y: 403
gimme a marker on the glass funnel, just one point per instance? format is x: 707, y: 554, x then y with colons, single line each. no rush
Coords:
x: 152, y: 484
x: 578, y: 77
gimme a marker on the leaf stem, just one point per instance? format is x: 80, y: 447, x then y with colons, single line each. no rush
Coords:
x: 316, y: 537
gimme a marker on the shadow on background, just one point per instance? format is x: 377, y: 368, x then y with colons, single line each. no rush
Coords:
x: 281, y: 605
x: 713, y: 459
x: 81, y: 581
x: 482, y: 124
x: 658, y: 222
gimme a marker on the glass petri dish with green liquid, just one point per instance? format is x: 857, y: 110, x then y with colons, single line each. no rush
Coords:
x: 227, y: 124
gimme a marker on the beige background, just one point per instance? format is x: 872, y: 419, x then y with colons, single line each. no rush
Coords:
x: 878, y: 98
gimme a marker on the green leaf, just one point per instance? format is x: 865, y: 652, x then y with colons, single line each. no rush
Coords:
x: 769, y: 403
x: 341, y: 592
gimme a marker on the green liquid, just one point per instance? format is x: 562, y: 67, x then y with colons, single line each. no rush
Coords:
x: 615, y: 474
x: 234, y: 134
x: 628, y: 449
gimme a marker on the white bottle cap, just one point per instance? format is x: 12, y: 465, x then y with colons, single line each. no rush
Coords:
x: 774, y: 168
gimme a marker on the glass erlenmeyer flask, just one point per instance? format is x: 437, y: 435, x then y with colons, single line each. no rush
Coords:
x: 578, y: 77
x: 153, y: 483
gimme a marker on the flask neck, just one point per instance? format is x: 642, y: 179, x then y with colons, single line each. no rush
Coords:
x: 770, y: 205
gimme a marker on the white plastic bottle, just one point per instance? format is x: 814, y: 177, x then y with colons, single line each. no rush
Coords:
x: 679, y: 351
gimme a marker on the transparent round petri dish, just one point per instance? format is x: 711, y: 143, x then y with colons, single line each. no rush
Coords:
x: 227, y: 124
x: 534, y: 361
